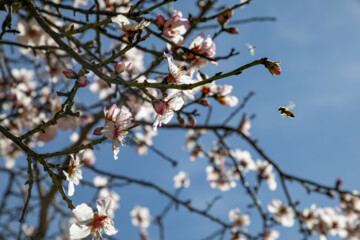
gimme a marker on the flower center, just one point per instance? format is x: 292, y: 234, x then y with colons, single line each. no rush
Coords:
x: 98, y: 222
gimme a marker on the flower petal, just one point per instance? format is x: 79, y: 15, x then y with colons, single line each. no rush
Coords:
x: 79, y: 231
x: 120, y: 20
x: 105, y: 206
x: 83, y: 213
x: 109, y: 227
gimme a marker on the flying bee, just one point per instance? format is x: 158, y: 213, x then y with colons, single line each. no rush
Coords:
x: 285, y: 111
x: 251, y: 49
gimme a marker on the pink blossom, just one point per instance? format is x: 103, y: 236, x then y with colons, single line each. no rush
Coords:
x: 176, y: 25
x: 201, y: 46
x: 89, y: 222
x: 83, y: 81
x: 121, y: 66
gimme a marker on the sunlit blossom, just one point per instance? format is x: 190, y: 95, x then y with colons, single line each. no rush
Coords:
x: 181, y: 180
x: 140, y: 217
x: 73, y: 174
x: 89, y: 222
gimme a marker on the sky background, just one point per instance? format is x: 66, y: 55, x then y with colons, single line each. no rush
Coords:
x: 317, y: 43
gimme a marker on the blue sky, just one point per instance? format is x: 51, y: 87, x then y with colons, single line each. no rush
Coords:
x: 317, y: 43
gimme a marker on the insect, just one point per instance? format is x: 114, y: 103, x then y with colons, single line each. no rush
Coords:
x: 251, y: 49
x: 285, y: 111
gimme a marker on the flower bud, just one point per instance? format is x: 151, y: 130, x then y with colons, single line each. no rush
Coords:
x: 273, y: 67
x: 338, y: 183
x: 69, y: 73
x: 120, y: 67
x: 83, y: 81
x: 224, y: 19
x: 204, y: 102
x: 97, y: 131
x: 192, y: 121
x: 232, y: 30
x: 159, y: 106
x: 181, y: 121
x: 82, y: 72
x: 160, y: 21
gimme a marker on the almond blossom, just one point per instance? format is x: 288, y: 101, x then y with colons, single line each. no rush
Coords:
x: 271, y: 235
x: 223, y: 96
x: 131, y: 29
x: 171, y: 104
x: 283, y: 214
x: 238, y: 219
x: 264, y: 169
x: 202, y: 46
x: 220, y: 178
x: 246, y: 162
x: 118, y: 120
x: 89, y: 222
x: 174, y: 27
x: 245, y: 126
x: 74, y: 174
x: 140, y: 217
x: 178, y: 77
x: 181, y: 180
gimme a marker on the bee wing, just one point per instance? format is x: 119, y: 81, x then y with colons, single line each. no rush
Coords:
x: 290, y: 106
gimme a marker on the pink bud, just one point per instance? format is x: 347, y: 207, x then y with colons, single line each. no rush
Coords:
x: 120, y: 67
x: 69, y: 73
x: 338, y: 182
x: 204, y: 102
x: 192, y: 121
x: 97, y: 131
x: 232, y: 30
x: 160, y: 20
x: 273, y: 67
x: 181, y: 122
x: 83, y: 81
x: 159, y: 106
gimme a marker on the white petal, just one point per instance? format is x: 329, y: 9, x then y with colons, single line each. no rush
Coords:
x: 176, y: 103
x: 109, y: 227
x: 116, y: 148
x: 143, y: 24
x: 71, y: 189
x: 105, y: 206
x: 120, y: 20
x: 79, y: 231
x: 83, y: 213
x: 108, y: 130
x: 166, y: 117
